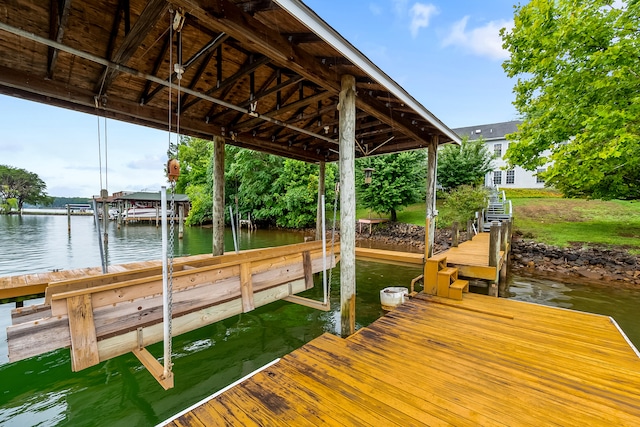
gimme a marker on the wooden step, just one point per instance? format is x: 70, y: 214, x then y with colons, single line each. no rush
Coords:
x: 446, y: 277
x: 457, y: 288
x: 432, y: 267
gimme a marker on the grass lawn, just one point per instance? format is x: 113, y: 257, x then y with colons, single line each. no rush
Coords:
x: 560, y: 222
x: 544, y: 216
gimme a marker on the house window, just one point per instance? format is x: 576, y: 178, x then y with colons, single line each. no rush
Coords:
x: 497, y: 177
x: 539, y: 178
x: 511, y: 176
x: 497, y: 150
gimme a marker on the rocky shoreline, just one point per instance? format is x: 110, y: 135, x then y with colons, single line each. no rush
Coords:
x: 613, y: 266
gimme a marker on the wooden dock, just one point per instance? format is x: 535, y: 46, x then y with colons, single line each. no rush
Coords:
x: 471, y: 258
x: 434, y: 361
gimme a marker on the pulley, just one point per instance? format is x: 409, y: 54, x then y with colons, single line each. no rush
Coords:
x: 173, y: 170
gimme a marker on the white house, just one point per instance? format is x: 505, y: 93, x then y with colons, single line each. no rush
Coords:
x: 494, y: 138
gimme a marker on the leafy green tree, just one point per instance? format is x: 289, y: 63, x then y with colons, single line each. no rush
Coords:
x: 398, y: 180
x: 298, y: 184
x: 465, y: 164
x: 194, y: 155
x: 578, y: 70
x: 463, y: 202
x: 23, y: 186
x: 274, y: 190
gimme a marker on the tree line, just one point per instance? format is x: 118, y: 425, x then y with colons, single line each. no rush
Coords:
x: 283, y: 192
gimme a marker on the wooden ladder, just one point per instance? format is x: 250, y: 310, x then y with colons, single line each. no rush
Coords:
x: 443, y: 281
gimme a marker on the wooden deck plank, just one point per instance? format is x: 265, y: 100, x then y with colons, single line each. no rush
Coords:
x: 525, y: 389
x: 429, y: 362
x: 592, y: 360
x: 295, y: 382
x: 579, y: 334
x: 434, y: 387
x: 335, y: 392
x: 425, y: 403
x: 273, y: 390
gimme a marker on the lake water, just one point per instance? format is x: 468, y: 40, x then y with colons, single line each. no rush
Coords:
x: 120, y: 392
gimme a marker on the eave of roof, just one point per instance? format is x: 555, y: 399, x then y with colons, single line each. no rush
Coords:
x: 311, y: 20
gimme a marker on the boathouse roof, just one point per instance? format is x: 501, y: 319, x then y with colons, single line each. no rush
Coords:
x: 145, y: 196
x: 263, y: 74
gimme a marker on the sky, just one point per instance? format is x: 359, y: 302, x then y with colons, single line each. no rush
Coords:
x: 447, y: 54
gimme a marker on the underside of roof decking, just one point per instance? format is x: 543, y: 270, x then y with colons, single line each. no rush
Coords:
x: 264, y: 76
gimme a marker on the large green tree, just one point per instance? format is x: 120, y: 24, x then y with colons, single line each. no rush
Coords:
x: 465, y: 164
x: 22, y: 186
x: 398, y: 180
x: 272, y: 189
x: 578, y: 70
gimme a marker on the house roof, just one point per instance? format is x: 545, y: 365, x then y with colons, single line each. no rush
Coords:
x: 490, y: 131
x: 264, y: 74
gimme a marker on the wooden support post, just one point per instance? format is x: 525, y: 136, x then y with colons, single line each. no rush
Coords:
x: 480, y: 222
x: 347, y: 108
x: 218, y: 195
x: 508, y: 234
x: 308, y: 269
x: 69, y: 219
x: 84, y: 343
x: 246, y: 287
x: 157, y: 215
x: 119, y: 218
x: 181, y: 221
x: 321, y: 191
x: 432, y: 160
x: 469, y: 229
x: 503, y: 236
x: 494, y: 244
x: 455, y: 234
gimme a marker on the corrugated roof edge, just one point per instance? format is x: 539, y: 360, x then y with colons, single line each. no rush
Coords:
x: 315, y: 23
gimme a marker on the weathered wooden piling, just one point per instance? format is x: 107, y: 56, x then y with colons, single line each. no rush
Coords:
x: 347, y: 107
x: 321, y: 192
x: 455, y: 234
x: 218, y: 195
x: 494, y: 243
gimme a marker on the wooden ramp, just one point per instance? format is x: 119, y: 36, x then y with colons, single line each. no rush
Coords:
x: 471, y: 258
x: 434, y: 361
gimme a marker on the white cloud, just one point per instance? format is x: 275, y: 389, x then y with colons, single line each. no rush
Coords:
x: 481, y: 41
x: 375, y: 9
x: 420, y: 15
x: 400, y: 6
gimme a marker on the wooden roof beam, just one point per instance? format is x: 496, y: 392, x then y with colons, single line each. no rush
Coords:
x: 196, y: 77
x: 262, y: 92
x: 303, y: 103
x: 58, y: 19
x: 293, y: 152
x: 144, y: 98
x: 254, y: 6
x: 301, y: 38
x: 227, y: 17
x: 207, y: 49
x: 250, y: 65
x: 147, y: 20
